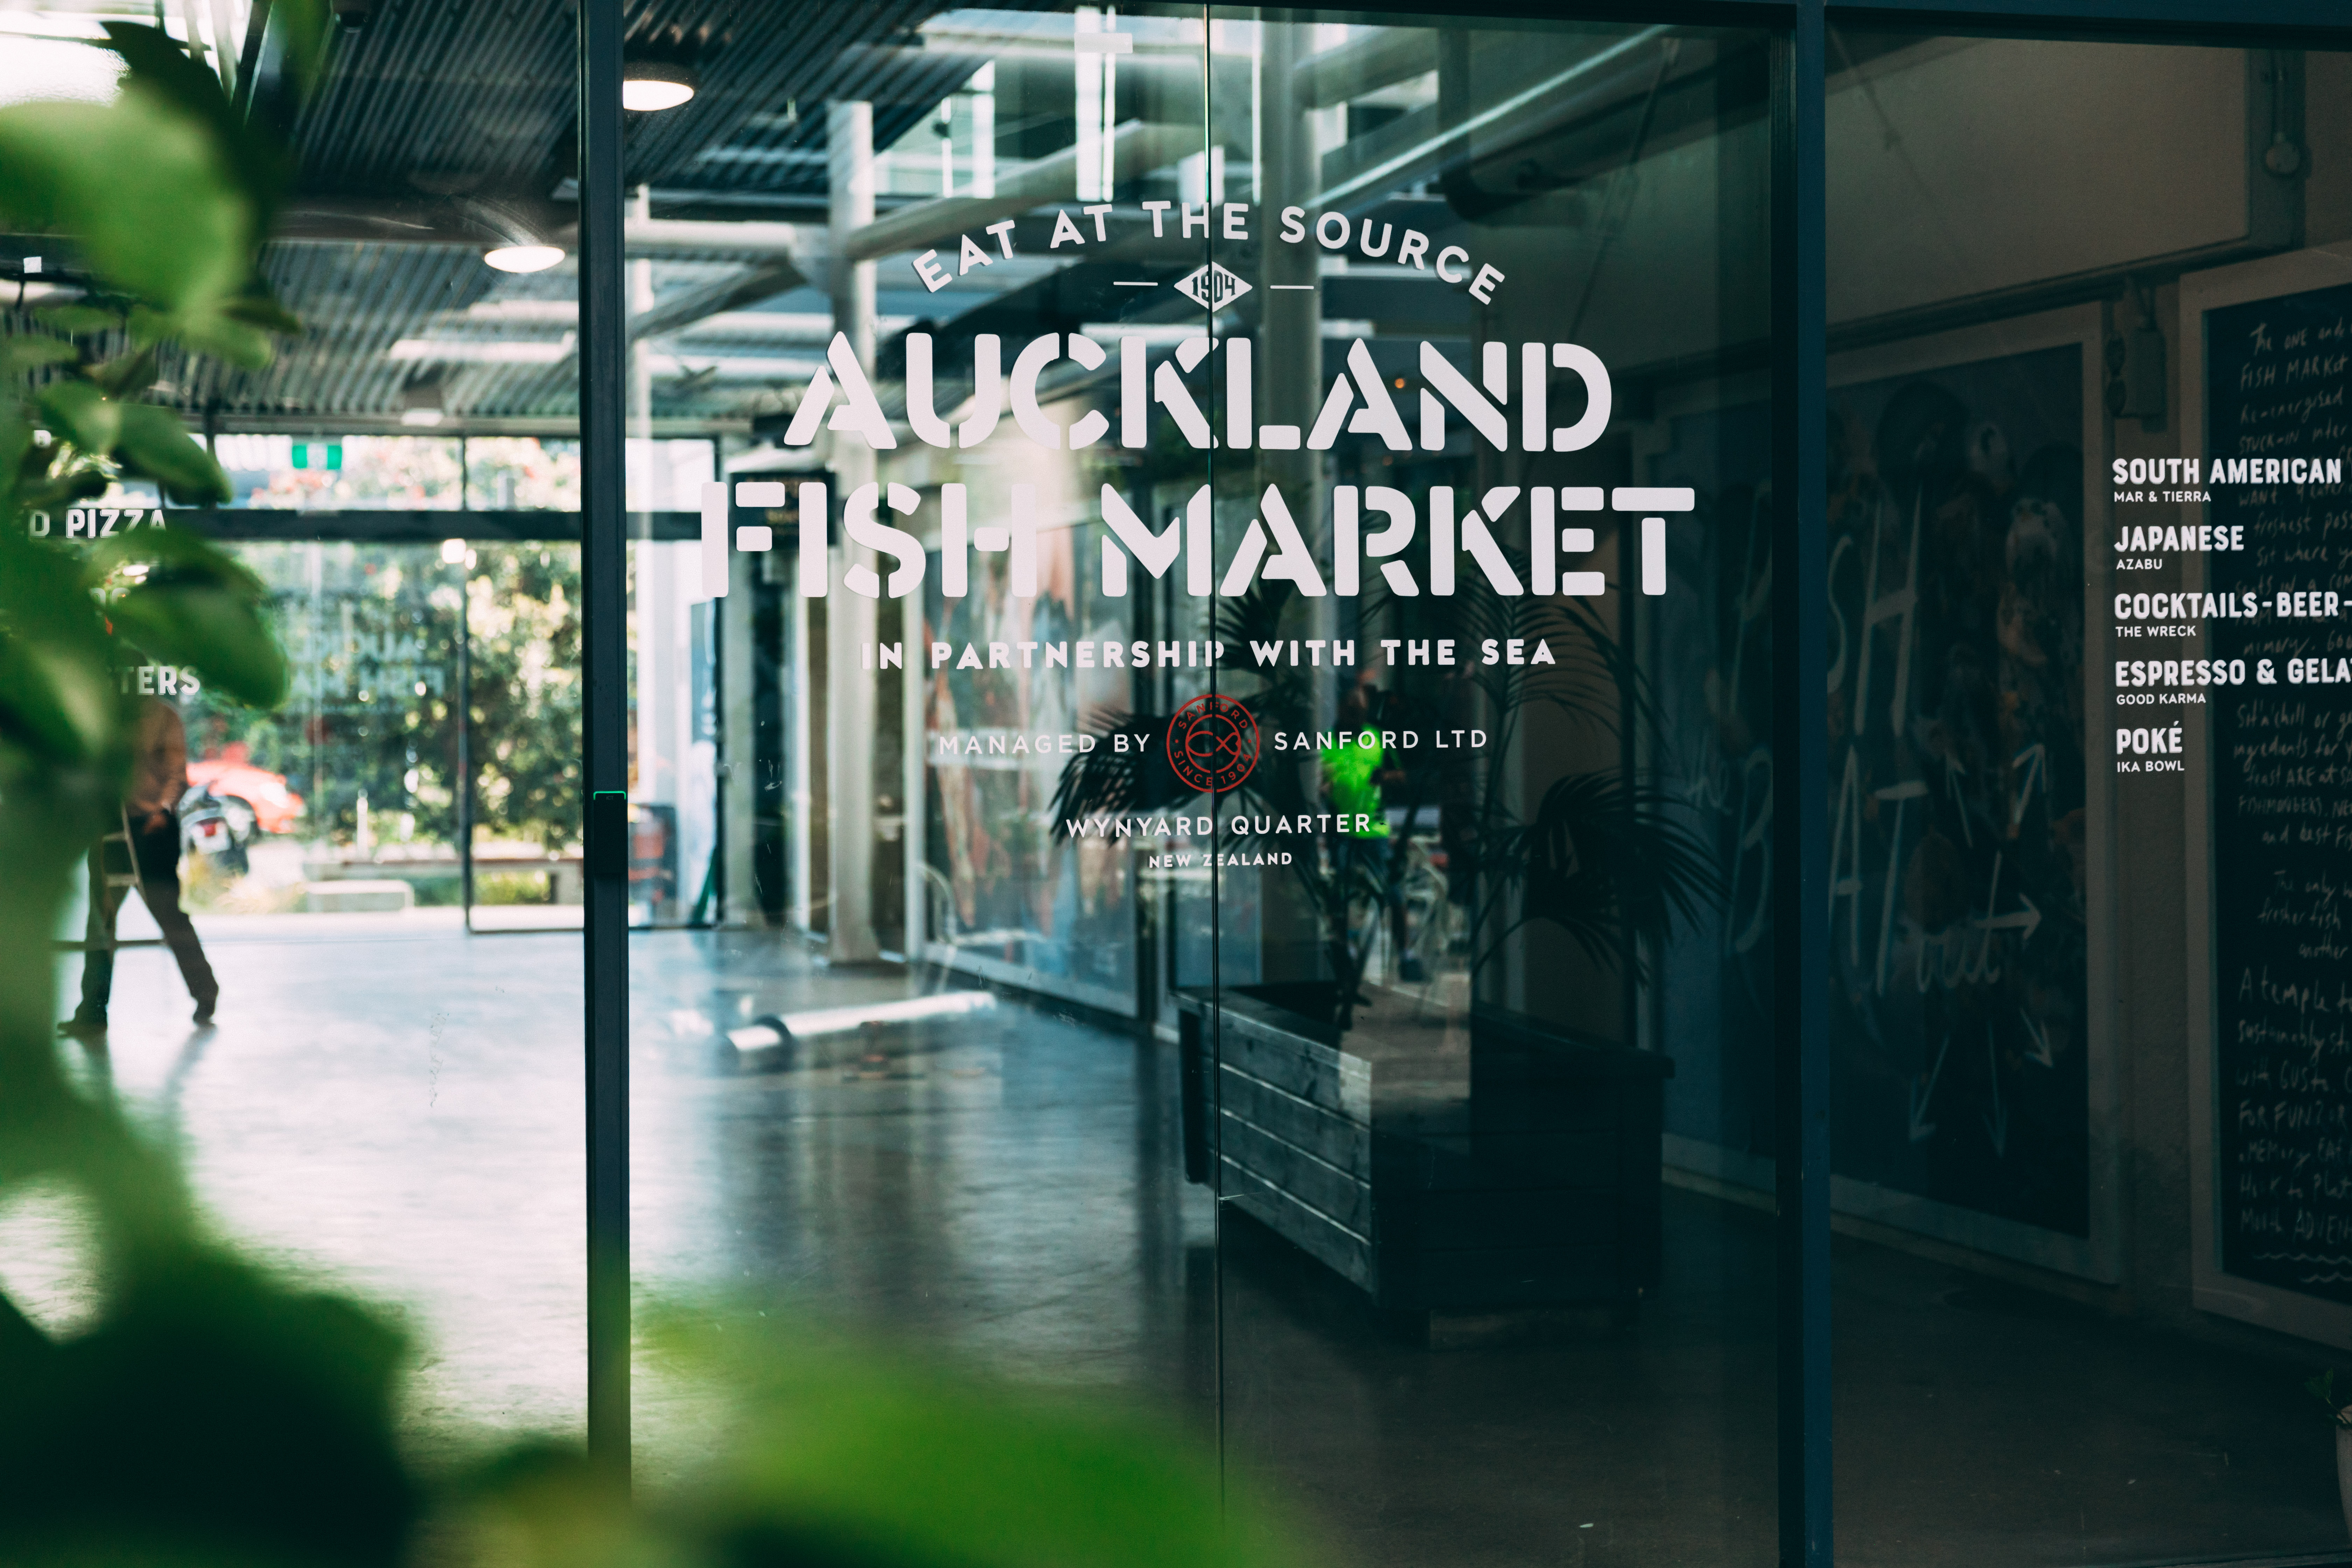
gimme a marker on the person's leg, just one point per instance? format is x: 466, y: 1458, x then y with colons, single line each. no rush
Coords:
x: 159, y: 886
x: 97, y: 947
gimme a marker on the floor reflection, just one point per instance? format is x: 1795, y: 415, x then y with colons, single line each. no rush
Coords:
x: 1005, y: 1187
x: 398, y: 1105
x: 392, y: 1105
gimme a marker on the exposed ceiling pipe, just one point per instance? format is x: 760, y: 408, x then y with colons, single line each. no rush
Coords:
x: 660, y: 237
x: 1021, y: 65
x: 1541, y: 104
x: 761, y: 368
x: 1379, y: 59
x: 326, y: 220
x: 683, y: 310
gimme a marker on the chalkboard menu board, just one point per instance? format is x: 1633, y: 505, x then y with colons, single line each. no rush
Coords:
x: 1959, y: 1002
x: 2277, y: 374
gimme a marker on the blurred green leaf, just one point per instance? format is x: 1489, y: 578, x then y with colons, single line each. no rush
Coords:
x: 82, y: 413
x: 149, y: 326
x: 143, y: 187
x: 15, y: 447
x: 66, y: 489
x: 842, y: 1455
x: 263, y: 312
x: 56, y: 697
x: 309, y: 28
x: 194, y: 604
x: 44, y: 595
x: 239, y: 1421
x: 223, y: 332
x: 29, y: 352
x: 56, y: 694
x: 546, y: 1505
x: 160, y: 65
x: 218, y: 335
x: 79, y: 320
x: 158, y: 554
x: 209, y: 628
x: 156, y: 445
x: 125, y: 375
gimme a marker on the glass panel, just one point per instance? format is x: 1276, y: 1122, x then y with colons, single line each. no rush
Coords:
x: 507, y: 473
x: 1036, y: 414
x: 383, y: 1102
x: 355, y: 779
x: 894, y: 1027
x: 522, y: 760
x: 2084, y: 457
x: 397, y: 473
x: 1491, y: 1070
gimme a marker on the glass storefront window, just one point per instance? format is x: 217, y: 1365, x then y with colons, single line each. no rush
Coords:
x: 380, y: 1102
x: 2080, y: 1115
x: 1257, y: 800
x: 396, y: 473
x: 1161, y: 670
x: 529, y: 473
x: 1492, y: 292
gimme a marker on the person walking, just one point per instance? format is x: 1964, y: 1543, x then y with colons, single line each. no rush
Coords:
x: 159, y: 776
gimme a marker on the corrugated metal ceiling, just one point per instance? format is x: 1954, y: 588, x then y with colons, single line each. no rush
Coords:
x: 442, y: 126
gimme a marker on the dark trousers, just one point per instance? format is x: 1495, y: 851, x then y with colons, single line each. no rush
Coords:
x: 155, y: 851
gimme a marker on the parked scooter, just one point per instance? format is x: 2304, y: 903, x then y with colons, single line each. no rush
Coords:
x: 217, y: 828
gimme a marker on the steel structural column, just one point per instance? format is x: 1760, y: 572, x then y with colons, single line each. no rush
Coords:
x: 850, y: 619
x: 603, y: 389
x: 1801, y: 783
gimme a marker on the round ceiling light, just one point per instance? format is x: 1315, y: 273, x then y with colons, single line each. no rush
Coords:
x: 524, y: 257
x: 650, y: 85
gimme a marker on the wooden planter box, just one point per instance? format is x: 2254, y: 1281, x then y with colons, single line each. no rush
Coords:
x: 1528, y: 1181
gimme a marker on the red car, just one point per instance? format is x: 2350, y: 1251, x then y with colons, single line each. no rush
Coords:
x: 259, y: 797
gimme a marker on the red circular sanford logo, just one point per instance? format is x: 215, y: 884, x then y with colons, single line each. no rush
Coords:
x: 1212, y: 743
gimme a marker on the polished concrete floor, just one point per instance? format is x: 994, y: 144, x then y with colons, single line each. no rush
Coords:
x: 397, y: 1105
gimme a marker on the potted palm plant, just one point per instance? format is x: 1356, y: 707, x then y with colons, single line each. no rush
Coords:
x: 1498, y: 1162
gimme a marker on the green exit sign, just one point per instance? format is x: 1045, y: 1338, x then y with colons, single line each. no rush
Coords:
x: 317, y: 454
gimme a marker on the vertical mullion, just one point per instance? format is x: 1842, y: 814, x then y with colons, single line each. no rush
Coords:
x: 466, y: 742
x: 604, y: 642
x: 1801, y: 784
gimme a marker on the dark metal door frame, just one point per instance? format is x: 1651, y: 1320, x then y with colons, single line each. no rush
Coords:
x: 604, y: 653
x: 1800, y: 767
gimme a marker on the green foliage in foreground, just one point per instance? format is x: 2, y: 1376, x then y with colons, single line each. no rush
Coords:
x: 216, y: 1413
x: 834, y: 1455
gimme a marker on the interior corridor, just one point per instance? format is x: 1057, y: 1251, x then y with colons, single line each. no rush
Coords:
x: 396, y: 1105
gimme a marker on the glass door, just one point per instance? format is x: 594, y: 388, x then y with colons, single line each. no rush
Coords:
x: 1488, y: 1104
x: 904, y: 1057
x: 1229, y: 610
x: 523, y: 859
x: 364, y: 1097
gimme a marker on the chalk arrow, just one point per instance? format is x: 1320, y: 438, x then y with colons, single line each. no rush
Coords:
x: 2027, y: 920
x: 2030, y: 760
x: 1921, y: 1130
x: 2040, y: 1051
x: 1996, y: 1124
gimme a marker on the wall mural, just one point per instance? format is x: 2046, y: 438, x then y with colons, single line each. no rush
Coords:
x: 1004, y: 889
